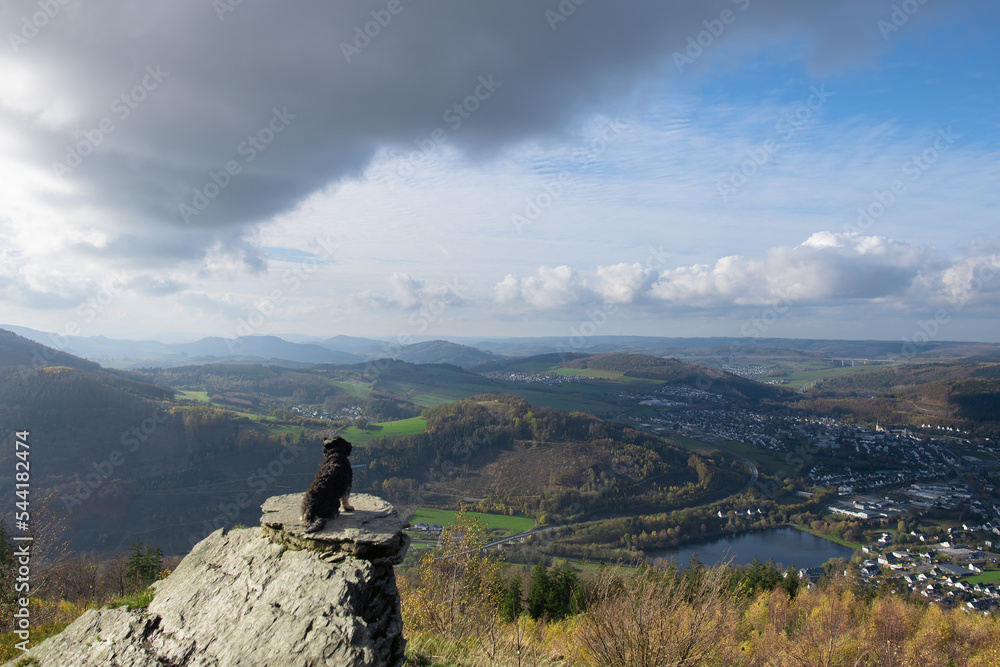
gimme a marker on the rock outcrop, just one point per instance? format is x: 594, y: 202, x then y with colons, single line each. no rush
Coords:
x: 264, y: 596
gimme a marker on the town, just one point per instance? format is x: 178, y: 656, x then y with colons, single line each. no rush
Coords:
x: 890, y: 477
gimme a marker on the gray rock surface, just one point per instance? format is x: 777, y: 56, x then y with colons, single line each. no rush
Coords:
x: 373, y: 531
x: 260, y: 597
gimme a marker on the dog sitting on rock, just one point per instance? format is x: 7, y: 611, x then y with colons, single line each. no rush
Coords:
x: 330, y: 488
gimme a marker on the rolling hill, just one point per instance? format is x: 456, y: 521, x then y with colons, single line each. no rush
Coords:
x: 443, y: 352
x: 117, y: 458
x: 959, y: 394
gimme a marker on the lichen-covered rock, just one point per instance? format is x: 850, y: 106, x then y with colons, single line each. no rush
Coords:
x: 373, y: 531
x: 242, y: 600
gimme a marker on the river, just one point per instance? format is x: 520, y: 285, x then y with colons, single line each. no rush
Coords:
x: 787, y: 546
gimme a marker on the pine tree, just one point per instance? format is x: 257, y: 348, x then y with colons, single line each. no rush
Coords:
x: 512, y: 603
x: 538, y: 591
x: 143, y: 566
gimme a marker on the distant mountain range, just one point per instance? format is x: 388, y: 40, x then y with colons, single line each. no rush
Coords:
x: 469, y: 353
x: 345, y: 350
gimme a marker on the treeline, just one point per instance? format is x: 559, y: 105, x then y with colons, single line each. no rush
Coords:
x: 257, y: 379
x: 56, y: 390
x: 461, y: 606
x: 211, y: 433
x: 634, y: 537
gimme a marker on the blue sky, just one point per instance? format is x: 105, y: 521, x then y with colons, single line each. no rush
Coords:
x: 471, y: 171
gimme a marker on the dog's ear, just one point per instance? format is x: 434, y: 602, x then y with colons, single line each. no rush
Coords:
x: 329, y: 446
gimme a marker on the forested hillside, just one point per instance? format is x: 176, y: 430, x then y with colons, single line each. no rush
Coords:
x: 962, y: 394
x: 515, y: 457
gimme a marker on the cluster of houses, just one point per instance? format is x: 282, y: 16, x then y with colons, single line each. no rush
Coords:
x: 748, y: 371
x: 938, y: 571
x: 432, y: 530
x: 544, y: 378
x: 349, y: 412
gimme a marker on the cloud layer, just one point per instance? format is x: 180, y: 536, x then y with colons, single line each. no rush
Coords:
x: 827, y: 270
x: 197, y: 150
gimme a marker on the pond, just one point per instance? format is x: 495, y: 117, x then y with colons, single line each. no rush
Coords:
x: 787, y: 546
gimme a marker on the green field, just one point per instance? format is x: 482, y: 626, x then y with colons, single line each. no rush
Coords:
x: 692, y: 444
x: 533, y: 367
x: 598, y: 397
x: 987, y: 577
x: 433, y: 386
x: 193, y: 396
x: 498, y: 524
x: 837, y: 540
x: 286, y: 428
x: 968, y: 451
x: 590, y: 372
x: 799, y: 378
x: 385, y: 430
x: 358, y: 389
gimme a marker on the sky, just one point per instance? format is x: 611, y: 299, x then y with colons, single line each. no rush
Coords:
x: 414, y: 169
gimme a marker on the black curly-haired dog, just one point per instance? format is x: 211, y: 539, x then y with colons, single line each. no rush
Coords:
x: 330, y: 487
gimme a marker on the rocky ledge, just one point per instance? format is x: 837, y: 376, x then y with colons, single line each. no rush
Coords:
x: 260, y: 596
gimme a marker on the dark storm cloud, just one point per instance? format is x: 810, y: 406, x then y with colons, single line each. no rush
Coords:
x: 270, y: 90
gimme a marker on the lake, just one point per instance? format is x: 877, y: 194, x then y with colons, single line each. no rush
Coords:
x: 787, y: 546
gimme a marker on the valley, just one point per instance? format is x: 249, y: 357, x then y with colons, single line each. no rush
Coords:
x: 599, y: 456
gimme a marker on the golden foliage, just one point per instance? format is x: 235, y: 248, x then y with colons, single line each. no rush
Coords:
x: 654, y: 618
x: 457, y: 588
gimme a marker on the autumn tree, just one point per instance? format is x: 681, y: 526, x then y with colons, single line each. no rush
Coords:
x: 458, y: 589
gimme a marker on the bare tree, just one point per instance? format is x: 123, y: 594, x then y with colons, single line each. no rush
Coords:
x: 655, y: 618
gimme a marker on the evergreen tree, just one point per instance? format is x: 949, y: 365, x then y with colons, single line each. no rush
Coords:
x: 143, y: 566
x: 537, y: 591
x: 560, y: 598
x: 512, y: 604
